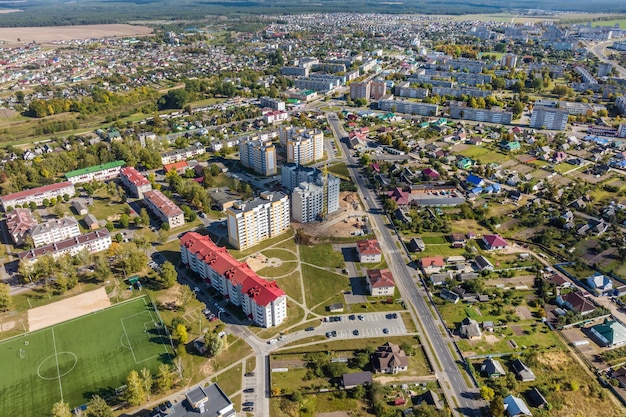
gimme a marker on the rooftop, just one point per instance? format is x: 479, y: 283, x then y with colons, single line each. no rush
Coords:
x: 95, y: 168
x: 164, y: 204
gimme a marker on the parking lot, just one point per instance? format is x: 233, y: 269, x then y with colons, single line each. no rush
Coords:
x: 367, y: 325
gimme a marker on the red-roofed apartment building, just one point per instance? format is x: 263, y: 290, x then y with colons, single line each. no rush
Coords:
x: 369, y: 251
x: 38, y: 195
x: 380, y: 282
x: 135, y: 182
x: 262, y: 301
x: 164, y: 208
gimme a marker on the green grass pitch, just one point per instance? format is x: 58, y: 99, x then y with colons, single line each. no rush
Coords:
x: 75, y: 359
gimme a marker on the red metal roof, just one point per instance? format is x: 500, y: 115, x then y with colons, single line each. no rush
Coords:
x: 239, y: 274
x: 433, y: 261
x: 175, y: 166
x: 380, y: 278
x: 134, y: 176
x: 167, y: 206
x: 368, y: 247
x: 38, y: 190
x: 495, y: 241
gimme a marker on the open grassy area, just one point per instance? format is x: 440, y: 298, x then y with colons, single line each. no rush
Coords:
x: 230, y: 380
x: 294, y: 315
x: 240, y: 254
x: 292, y: 286
x: 278, y: 271
x: 283, y: 255
x: 485, y: 155
x: 236, y: 350
x: 322, y: 255
x: 340, y: 169
x: 320, y: 285
x: 77, y: 358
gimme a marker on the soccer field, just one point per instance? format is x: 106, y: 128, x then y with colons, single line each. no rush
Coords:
x: 75, y: 359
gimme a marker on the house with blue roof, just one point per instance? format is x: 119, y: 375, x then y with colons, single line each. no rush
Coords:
x: 515, y: 407
x: 601, y: 283
x: 493, y: 188
x: 474, y: 180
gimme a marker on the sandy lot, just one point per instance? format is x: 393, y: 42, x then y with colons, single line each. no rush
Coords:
x: 48, y: 35
x: 67, y: 309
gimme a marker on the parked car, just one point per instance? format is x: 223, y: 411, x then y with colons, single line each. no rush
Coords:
x: 309, y: 329
x: 355, y: 332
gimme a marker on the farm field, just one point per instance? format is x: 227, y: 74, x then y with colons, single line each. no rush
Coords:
x: 75, y: 359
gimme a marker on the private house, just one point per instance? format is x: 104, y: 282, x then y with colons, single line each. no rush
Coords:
x: 470, y: 329
x: 457, y: 240
x: 448, y: 295
x: 19, y: 222
x: 431, y: 398
x: 389, y: 359
x: 512, y: 146
x: 441, y: 278
x: 516, y: 407
x: 400, y: 197
x: 465, y: 163
x: 417, y: 245
x: 369, y: 251
x: 536, y: 398
x: 474, y: 181
x: 492, y: 368
x: 432, y: 264
x: 380, y: 282
x: 494, y: 242
x: 352, y: 380
x: 576, y: 301
x: 180, y: 167
x: 483, y: 264
x: 610, y: 333
x: 430, y: 173
x: 523, y: 372
x: 600, y: 283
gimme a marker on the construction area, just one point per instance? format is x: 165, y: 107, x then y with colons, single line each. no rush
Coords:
x: 350, y: 220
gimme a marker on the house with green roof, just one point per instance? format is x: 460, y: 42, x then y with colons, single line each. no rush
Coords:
x: 102, y: 172
x: 512, y: 146
x: 610, y: 333
x: 465, y: 163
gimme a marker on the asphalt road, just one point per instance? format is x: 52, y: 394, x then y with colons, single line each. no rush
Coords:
x: 598, y: 50
x: 465, y: 398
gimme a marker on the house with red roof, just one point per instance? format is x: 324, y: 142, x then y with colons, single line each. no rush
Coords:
x: 430, y: 173
x: 400, y: 197
x: 263, y: 302
x: 432, y: 264
x: 180, y: 167
x: 380, y: 282
x: 369, y: 251
x: 494, y: 242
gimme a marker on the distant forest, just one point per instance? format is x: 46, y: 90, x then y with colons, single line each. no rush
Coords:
x: 59, y: 12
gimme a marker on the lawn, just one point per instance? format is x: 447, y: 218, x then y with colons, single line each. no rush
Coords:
x: 294, y: 315
x: 435, y: 240
x: 241, y: 254
x: 292, y: 286
x: 283, y: 255
x: 535, y: 336
x: 74, y: 359
x: 278, y: 271
x: 485, y: 155
x: 322, y: 255
x: 340, y: 169
x: 320, y: 285
x: 230, y: 380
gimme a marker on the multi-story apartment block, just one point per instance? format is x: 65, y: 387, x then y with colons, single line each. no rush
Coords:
x: 360, y: 90
x: 259, y: 156
x: 275, y: 117
x: 93, y: 242
x: 509, y: 61
x: 164, y: 208
x: 251, y: 222
x: 586, y: 75
x: 102, y: 172
x: 38, y: 195
x: 273, y: 103
x: 404, y: 89
x: 178, y: 155
x: 604, y: 69
x: 305, y: 148
x: 409, y: 107
x: 313, y: 193
x: 295, y: 71
x: 378, y: 89
x: 315, y: 84
x: 54, y: 231
x: 548, y: 118
x: 458, y: 92
x: 136, y: 183
x: 495, y: 115
x: 620, y: 103
x: 19, y: 222
x: 262, y: 301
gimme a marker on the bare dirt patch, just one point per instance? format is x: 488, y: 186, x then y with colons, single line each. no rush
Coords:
x: 491, y: 339
x: 553, y: 359
x: 6, y: 326
x: 347, y: 221
x: 50, y: 35
x: 524, y: 312
x: 517, y: 330
x: 67, y: 309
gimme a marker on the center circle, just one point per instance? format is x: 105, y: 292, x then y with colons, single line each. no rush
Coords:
x: 57, y: 366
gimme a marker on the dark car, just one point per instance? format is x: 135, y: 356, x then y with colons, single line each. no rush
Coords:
x: 355, y: 332
x: 168, y: 404
x: 352, y: 317
x: 248, y: 404
x: 162, y: 407
x: 248, y: 409
x: 329, y: 334
x: 247, y: 390
x: 334, y: 333
x: 249, y: 374
x: 309, y: 329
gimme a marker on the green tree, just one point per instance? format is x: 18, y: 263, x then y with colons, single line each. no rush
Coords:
x: 124, y: 220
x: 168, y: 274
x: 214, y: 343
x: 145, y: 218
x: 180, y: 332
x: 487, y: 393
x: 147, y: 380
x: 135, y: 393
x: 6, y: 302
x: 185, y: 295
x: 98, y: 408
x: 496, y: 406
x: 61, y: 409
x: 164, y: 378
x: 102, y: 269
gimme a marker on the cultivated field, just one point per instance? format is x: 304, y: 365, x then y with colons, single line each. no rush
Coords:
x: 73, y: 360
x: 48, y: 35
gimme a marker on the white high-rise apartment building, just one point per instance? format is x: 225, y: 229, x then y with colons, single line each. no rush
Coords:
x: 251, y: 222
x: 307, y: 187
x: 303, y: 146
x: 307, y: 202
